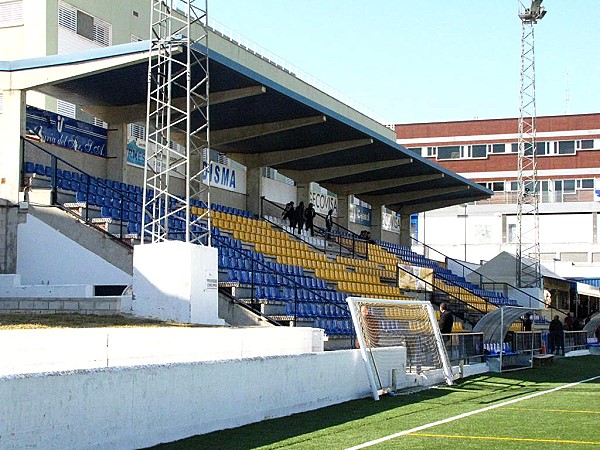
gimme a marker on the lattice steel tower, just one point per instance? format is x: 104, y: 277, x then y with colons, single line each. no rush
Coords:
x: 177, y: 124
x: 528, y: 250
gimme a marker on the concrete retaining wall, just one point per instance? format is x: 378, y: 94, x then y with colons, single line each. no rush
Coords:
x: 95, y: 305
x: 35, y: 351
x: 141, y: 406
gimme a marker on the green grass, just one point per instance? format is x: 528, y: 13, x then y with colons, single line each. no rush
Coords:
x: 564, y: 419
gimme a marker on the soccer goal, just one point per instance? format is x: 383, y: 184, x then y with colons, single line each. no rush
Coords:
x: 398, y: 337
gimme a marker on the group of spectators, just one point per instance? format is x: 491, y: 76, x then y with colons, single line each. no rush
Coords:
x: 299, y: 216
x: 304, y: 217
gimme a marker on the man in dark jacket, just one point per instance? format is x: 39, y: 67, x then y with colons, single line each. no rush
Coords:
x: 288, y: 213
x: 446, y: 321
x: 309, y: 215
x: 299, y: 216
x: 555, y: 336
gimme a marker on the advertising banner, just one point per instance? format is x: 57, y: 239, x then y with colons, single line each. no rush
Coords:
x: 360, y: 215
x: 323, y: 202
x: 65, y: 132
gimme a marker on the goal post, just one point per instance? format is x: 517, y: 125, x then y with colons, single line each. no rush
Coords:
x: 396, y: 337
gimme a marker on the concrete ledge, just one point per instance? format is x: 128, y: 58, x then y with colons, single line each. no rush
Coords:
x: 83, y: 305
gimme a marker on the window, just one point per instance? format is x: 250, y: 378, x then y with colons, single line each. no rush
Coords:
x: 449, y: 152
x: 65, y: 108
x: 587, y: 144
x: 431, y: 151
x: 514, y: 147
x: 137, y: 131
x: 479, y: 151
x: 498, y: 148
x: 566, y: 147
x: 512, y: 232
x: 497, y: 186
x: 585, y: 183
x: 99, y: 123
x: 84, y: 25
x: 11, y: 14
x: 569, y: 185
x: 540, y: 148
x: 416, y: 150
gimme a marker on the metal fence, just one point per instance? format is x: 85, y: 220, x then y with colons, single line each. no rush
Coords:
x: 465, y: 347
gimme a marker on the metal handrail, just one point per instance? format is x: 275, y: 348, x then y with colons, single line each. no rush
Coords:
x: 434, y: 288
x: 480, y: 275
x: 54, y: 164
x: 334, y: 236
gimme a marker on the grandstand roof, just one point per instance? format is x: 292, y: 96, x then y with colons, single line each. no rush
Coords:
x: 261, y: 115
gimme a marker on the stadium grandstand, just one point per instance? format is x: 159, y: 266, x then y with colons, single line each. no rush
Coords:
x: 271, y: 301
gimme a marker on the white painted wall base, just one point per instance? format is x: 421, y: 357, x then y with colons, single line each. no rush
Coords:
x: 176, y: 281
x: 36, y: 351
x: 143, y: 405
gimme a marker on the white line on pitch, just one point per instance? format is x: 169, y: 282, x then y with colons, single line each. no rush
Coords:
x: 467, y: 414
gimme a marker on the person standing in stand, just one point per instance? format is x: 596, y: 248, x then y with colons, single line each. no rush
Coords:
x: 568, y: 322
x: 555, y: 336
x: 309, y: 215
x: 329, y: 223
x: 446, y: 321
x: 527, y: 322
x: 299, y: 216
x: 288, y: 213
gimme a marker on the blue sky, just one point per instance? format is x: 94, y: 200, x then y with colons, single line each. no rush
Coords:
x: 426, y: 61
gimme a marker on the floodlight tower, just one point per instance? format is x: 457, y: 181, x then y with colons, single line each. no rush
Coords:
x: 528, y: 249
x: 177, y: 123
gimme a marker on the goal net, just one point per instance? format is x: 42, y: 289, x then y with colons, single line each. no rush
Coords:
x: 397, y: 337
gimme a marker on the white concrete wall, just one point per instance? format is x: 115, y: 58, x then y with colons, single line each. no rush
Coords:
x: 43, y: 257
x: 261, y: 373
x: 564, y: 228
x: 10, y: 286
x: 142, y: 406
x: 37, y: 351
x: 183, y: 287
x: 278, y: 192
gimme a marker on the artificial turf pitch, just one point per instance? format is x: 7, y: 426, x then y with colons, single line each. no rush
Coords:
x: 567, y: 418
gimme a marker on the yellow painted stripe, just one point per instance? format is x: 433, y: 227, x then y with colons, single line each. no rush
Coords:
x: 579, y: 411
x: 497, y: 438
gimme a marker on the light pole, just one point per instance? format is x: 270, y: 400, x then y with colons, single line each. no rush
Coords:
x: 464, y: 205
